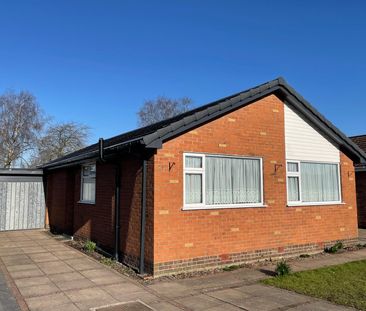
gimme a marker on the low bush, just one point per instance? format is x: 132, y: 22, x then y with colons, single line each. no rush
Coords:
x: 107, y: 261
x: 283, y: 268
x: 335, y: 248
x: 89, y: 246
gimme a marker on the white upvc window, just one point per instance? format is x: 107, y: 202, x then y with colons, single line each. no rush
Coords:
x: 221, y: 181
x: 313, y: 183
x: 88, y: 176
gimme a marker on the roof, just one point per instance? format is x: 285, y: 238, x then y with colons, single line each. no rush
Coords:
x: 20, y: 172
x: 360, y: 141
x: 153, y: 136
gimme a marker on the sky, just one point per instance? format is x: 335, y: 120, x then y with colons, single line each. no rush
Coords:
x: 96, y: 62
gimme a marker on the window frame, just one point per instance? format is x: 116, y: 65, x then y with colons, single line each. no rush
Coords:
x: 82, y: 178
x: 203, y: 205
x: 298, y: 174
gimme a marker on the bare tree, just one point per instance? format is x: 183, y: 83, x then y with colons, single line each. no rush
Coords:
x: 162, y: 108
x: 21, y: 120
x: 59, y: 140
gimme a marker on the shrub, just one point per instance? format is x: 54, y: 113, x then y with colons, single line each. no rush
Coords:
x: 335, y: 248
x: 107, y: 261
x: 283, y: 268
x: 90, y: 246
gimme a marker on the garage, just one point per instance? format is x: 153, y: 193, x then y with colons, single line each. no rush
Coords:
x: 22, y: 199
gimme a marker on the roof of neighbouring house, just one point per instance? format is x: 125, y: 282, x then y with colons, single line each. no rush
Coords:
x: 154, y: 135
x: 360, y: 141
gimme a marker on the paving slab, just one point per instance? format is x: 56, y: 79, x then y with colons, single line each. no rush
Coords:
x: 231, y: 295
x: 33, y: 250
x: 54, y: 267
x: 67, y: 254
x: 22, y: 267
x: 51, y: 276
x: 123, y: 293
x: 166, y: 306
x: 19, y: 259
x: 88, y: 304
x: 39, y: 290
x: 200, y: 302
x: 173, y: 289
x: 81, y: 264
x: 7, y: 300
x: 64, y: 277
x: 88, y: 294
x: 43, y: 257
x: 32, y: 281
x: 75, y: 284
x: 47, y: 301
x: 26, y: 273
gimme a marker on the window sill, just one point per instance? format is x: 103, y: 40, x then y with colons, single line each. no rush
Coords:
x: 314, y: 204
x: 204, y: 208
x: 87, y: 202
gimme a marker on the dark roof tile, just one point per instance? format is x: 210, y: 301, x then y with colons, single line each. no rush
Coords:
x: 154, y: 134
x: 360, y: 140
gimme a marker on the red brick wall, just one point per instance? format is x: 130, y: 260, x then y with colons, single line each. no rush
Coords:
x: 96, y: 221
x: 255, y: 130
x: 361, y: 198
x: 59, y: 201
x: 130, y: 216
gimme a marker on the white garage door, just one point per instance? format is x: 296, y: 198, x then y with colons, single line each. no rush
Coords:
x: 22, y: 202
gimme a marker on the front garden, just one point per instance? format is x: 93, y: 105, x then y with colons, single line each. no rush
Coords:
x: 341, y: 284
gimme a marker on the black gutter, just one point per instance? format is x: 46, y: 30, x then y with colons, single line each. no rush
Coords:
x: 359, y: 169
x: 101, y: 150
x: 143, y: 219
x: 93, y: 154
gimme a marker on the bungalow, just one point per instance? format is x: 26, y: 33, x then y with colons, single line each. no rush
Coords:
x: 255, y: 175
x: 361, y: 183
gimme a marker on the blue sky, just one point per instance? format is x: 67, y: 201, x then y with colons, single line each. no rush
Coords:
x: 95, y: 62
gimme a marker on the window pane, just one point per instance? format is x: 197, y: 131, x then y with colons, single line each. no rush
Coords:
x: 292, y: 167
x: 193, y: 162
x: 193, y: 188
x: 319, y: 182
x: 89, y: 170
x: 88, y: 192
x: 232, y: 181
x: 293, y: 189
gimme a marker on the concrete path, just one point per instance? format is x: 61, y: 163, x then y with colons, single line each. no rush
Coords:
x: 51, y: 276
x: 7, y: 300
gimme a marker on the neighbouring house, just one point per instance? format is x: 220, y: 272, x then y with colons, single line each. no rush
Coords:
x: 255, y: 175
x: 361, y: 183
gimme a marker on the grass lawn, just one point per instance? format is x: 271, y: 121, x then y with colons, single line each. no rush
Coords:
x: 342, y: 284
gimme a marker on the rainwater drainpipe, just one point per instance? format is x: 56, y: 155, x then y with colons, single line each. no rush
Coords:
x: 143, y: 219
x: 116, y: 211
x: 116, y: 201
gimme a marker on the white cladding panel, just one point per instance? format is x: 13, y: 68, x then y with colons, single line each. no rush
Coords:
x: 303, y: 142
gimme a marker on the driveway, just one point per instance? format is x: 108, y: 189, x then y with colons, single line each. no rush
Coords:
x: 49, y: 275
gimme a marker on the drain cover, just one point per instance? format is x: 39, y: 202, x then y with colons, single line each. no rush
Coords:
x: 128, y: 306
